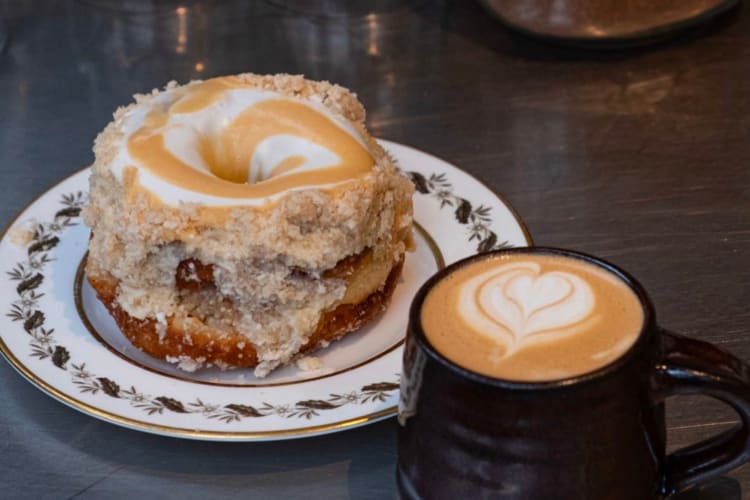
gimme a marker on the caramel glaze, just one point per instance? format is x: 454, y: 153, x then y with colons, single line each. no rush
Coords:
x: 228, y: 154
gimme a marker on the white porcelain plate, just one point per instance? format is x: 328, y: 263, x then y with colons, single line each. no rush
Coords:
x: 57, y: 335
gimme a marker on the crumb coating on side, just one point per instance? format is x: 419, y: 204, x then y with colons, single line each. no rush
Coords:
x: 272, y: 265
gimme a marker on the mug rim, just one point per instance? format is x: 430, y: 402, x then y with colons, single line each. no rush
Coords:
x: 647, y: 327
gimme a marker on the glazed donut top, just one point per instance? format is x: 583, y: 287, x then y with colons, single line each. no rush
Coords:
x: 225, y: 142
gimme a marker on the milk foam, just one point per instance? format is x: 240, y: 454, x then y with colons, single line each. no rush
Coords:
x: 531, y: 317
x: 516, y: 304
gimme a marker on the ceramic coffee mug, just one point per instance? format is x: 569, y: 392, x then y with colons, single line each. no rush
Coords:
x: 597, y: 435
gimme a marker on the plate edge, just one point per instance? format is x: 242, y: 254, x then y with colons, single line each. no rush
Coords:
x: 206, y: 435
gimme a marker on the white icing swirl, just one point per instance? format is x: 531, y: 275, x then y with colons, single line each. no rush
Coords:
x: 183, y: 129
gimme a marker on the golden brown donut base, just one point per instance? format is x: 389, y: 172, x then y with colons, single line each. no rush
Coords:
x: 189, y: 337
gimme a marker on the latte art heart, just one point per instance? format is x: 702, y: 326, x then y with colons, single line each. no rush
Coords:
x: 531, y: 316
x: 515, y: 304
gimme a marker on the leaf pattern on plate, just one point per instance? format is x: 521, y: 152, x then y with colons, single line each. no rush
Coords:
x: 25, y: 309
x: 476, y: 218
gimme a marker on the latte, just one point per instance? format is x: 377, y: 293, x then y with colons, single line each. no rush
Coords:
x: 531, y: 317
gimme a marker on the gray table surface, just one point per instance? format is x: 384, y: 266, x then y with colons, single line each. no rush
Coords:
x: 640, y: 157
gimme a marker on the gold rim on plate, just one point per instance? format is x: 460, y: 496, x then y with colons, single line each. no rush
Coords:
x: 132, y: 423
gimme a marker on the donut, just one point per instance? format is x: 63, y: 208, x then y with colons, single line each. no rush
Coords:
x: 244, y: 221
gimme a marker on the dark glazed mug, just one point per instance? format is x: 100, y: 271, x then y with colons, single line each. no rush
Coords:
x: 597, y: 436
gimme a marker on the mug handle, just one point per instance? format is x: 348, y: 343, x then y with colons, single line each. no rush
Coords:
x: 689, y: 366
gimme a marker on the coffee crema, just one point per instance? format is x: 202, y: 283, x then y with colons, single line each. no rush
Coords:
x: 531, y: 317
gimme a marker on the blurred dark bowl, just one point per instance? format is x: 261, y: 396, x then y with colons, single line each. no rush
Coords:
x: 606, y: 22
